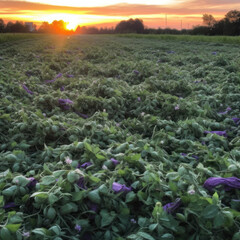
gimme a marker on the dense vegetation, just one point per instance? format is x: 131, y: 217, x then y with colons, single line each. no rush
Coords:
x: 116, y: 138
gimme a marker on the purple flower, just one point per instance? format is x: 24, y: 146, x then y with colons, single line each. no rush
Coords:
x: 114, y: 161
x: 177, y: 107
x: 117, y: 188
x: 59, y: 75
x: 220, y: 133
x: 78, y: 228
x: 62, y: 88
x: 26, y: 234
x: 136, y: 72
x: 50, y: 81
x: 81, y: 183
x: 32, y: 183
x: 229, y: 183
x: 227, y: 110
x: 133, y: 221
x: 196, y: 157
x: 170, y: 52
x: 94, y: 207
x: 236, y: 120
x: 82, y: 115
x: 26, y: 89
x: 9, y: 205
x: 214, y: 53
x: 84, y: 165
x: 139, y: 99
x: 184, y: 154
x: 70, y: 76
x: 171, y: 207
x: 65, y: 103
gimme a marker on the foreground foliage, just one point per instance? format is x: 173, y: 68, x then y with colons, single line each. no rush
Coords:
x: 99, y: 133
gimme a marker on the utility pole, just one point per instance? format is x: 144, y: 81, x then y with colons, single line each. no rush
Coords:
x: 181, y: 24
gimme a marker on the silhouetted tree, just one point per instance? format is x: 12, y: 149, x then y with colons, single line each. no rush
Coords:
x: 2, y: 26
x: 208, y: 20
x: 130, y: 26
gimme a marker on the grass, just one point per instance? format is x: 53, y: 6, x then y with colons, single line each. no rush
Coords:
x: 9, y: 37
x: 215, y: 39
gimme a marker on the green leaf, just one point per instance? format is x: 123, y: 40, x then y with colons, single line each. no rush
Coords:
x: 5, y: 234
x: 145, y: 236
x: 218, y: 220
x: 130, y: 197
x: 77, y: 196
x: 107, y: 218
x: 68, y: 208
x: 88, y: 147
x: 210, y: 211
x: 13, y: 227
x: 94, y: 196
x: 40, y: 231
x: 215, y: 198
x: 47, y: 180
x: 52, y: 198
x: 43, y: 195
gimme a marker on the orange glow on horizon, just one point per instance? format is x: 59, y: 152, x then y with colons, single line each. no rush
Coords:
x: 107, y: 13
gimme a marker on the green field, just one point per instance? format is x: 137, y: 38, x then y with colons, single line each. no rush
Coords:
x: 114, y: 138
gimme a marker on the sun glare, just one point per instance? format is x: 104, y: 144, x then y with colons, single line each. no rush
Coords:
x: 72, y: 25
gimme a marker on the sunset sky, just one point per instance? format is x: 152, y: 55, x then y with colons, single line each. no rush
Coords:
x: 155, y: 13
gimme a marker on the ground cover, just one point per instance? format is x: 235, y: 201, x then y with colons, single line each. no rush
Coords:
x: 116, y: 138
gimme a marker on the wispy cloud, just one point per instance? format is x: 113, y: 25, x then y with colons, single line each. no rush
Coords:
x: 190, y: 10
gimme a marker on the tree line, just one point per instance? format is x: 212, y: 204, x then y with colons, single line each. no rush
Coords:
x: 229, y: 25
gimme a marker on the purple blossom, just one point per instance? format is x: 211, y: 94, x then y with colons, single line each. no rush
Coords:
x: 9, y: 205
x: 62, y: 88
x: 64, y: 103
x: 184, y: 154
x: 70, y: 76
x: 26, y: 234
x: 133, y: 221
x: 26, y: 89
x: 236, y: 120
x: 78, y: 228
x: 225, y: 112
x: 170, y: 52
x: 139, y: 99
x: 229, y: 183
x: 114, y: 161
x: 81, y: 183
x: 117, y: 188
x: 32, y: 183
x: 136, y: 72
x: 84, y: 165
x: 220, y: 133
x: 171, y: 207
x: 94, y: 207
x: 214, y: 53
x: 195, y: 156
x: 59, y: 75
x: 82, y: 115
x: 177, y: 107
x: 51, y: 81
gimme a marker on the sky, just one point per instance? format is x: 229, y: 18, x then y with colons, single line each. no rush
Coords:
x: 107, y: 13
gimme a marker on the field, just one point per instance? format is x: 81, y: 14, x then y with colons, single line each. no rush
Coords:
x: 113, y: 138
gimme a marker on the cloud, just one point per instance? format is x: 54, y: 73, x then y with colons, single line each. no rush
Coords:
x: 185, y: 9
